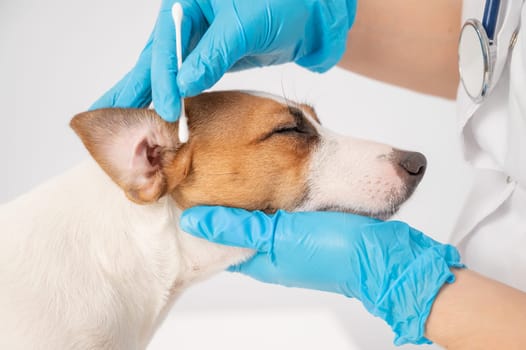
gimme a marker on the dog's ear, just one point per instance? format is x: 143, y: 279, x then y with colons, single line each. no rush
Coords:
x: 136, y: 148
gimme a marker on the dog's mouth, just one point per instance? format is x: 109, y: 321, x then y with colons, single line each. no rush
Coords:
x: 388, y: 208
x: 381, y: 214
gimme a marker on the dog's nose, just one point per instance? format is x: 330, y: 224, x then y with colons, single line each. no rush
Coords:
x: 414, y: 163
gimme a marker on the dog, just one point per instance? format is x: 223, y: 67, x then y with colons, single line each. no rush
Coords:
x: 94, y: 258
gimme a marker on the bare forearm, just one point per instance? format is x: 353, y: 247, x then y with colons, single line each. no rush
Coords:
x: 411, y: 43
x: 475, y: 312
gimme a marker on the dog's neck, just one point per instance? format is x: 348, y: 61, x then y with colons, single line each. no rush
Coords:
x: 106, y: 250
x: 175, y: 258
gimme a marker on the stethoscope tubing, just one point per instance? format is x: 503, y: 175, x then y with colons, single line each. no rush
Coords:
x: 491, y: 15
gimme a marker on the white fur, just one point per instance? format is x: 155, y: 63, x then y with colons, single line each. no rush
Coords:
x: 97, y: 272
x: 355, y: 175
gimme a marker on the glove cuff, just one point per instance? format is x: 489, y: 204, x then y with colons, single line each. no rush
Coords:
x: 423, y: 279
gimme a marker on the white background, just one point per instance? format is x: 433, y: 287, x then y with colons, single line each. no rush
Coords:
x: 58, y: 56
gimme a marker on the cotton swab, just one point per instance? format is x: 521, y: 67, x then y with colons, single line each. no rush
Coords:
x: 177, y: 14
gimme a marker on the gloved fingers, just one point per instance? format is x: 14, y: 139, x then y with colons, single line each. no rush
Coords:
x: 296, y: 274
x: 134, y: 90
x: 255, y: 61
x: 165, y: 93
x: 282, y: 231
x: 230, y: 226
x: 331, y: 44
x: 194, y: 26
x: 220, y: 48
x: 262, y: 269
x: 324, y: 227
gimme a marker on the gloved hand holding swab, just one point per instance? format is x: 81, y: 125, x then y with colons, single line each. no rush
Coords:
x: 177, y: 14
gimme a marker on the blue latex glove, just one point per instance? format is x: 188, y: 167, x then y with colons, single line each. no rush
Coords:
x: 393, y: 269
x: 219, y: 35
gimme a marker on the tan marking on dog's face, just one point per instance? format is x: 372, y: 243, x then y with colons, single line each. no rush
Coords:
x: 246, y: 151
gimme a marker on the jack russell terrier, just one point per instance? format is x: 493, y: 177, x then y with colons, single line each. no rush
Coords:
x: 94, y: 258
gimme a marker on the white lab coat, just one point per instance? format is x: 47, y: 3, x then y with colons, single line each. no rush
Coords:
x: 491, y: 229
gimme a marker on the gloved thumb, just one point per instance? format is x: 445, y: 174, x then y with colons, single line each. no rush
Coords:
x: 135, y: 89
x: 230, y: 226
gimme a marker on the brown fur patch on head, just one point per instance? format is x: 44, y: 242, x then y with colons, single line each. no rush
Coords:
x: 247, y: 151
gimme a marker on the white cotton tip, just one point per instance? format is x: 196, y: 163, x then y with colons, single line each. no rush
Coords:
x: 177, y: 13
x: 183, y: 128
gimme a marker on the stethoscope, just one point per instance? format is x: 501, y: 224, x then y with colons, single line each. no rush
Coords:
x: 476, y: 52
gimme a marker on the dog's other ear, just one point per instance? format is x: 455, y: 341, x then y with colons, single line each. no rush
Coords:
x: 136, y: 148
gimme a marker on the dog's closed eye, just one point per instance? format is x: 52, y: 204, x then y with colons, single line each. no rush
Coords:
x: 301, y: 123
x: 298, y: 126
x: 287, y: 129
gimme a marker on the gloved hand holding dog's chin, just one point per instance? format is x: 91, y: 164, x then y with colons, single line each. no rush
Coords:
x: 219, y: 35
x: 393, y: 269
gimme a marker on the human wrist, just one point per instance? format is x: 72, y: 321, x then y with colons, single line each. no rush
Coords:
x: 423, y: 279
x: 477, y: 312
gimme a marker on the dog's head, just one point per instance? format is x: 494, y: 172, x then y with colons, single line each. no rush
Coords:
x: 248, y: 150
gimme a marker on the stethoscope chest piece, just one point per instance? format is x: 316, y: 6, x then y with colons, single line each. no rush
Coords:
x: 477, y: 52
x: 475, y: 60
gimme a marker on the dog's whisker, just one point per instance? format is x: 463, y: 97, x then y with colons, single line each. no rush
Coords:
x: 285, y: 98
